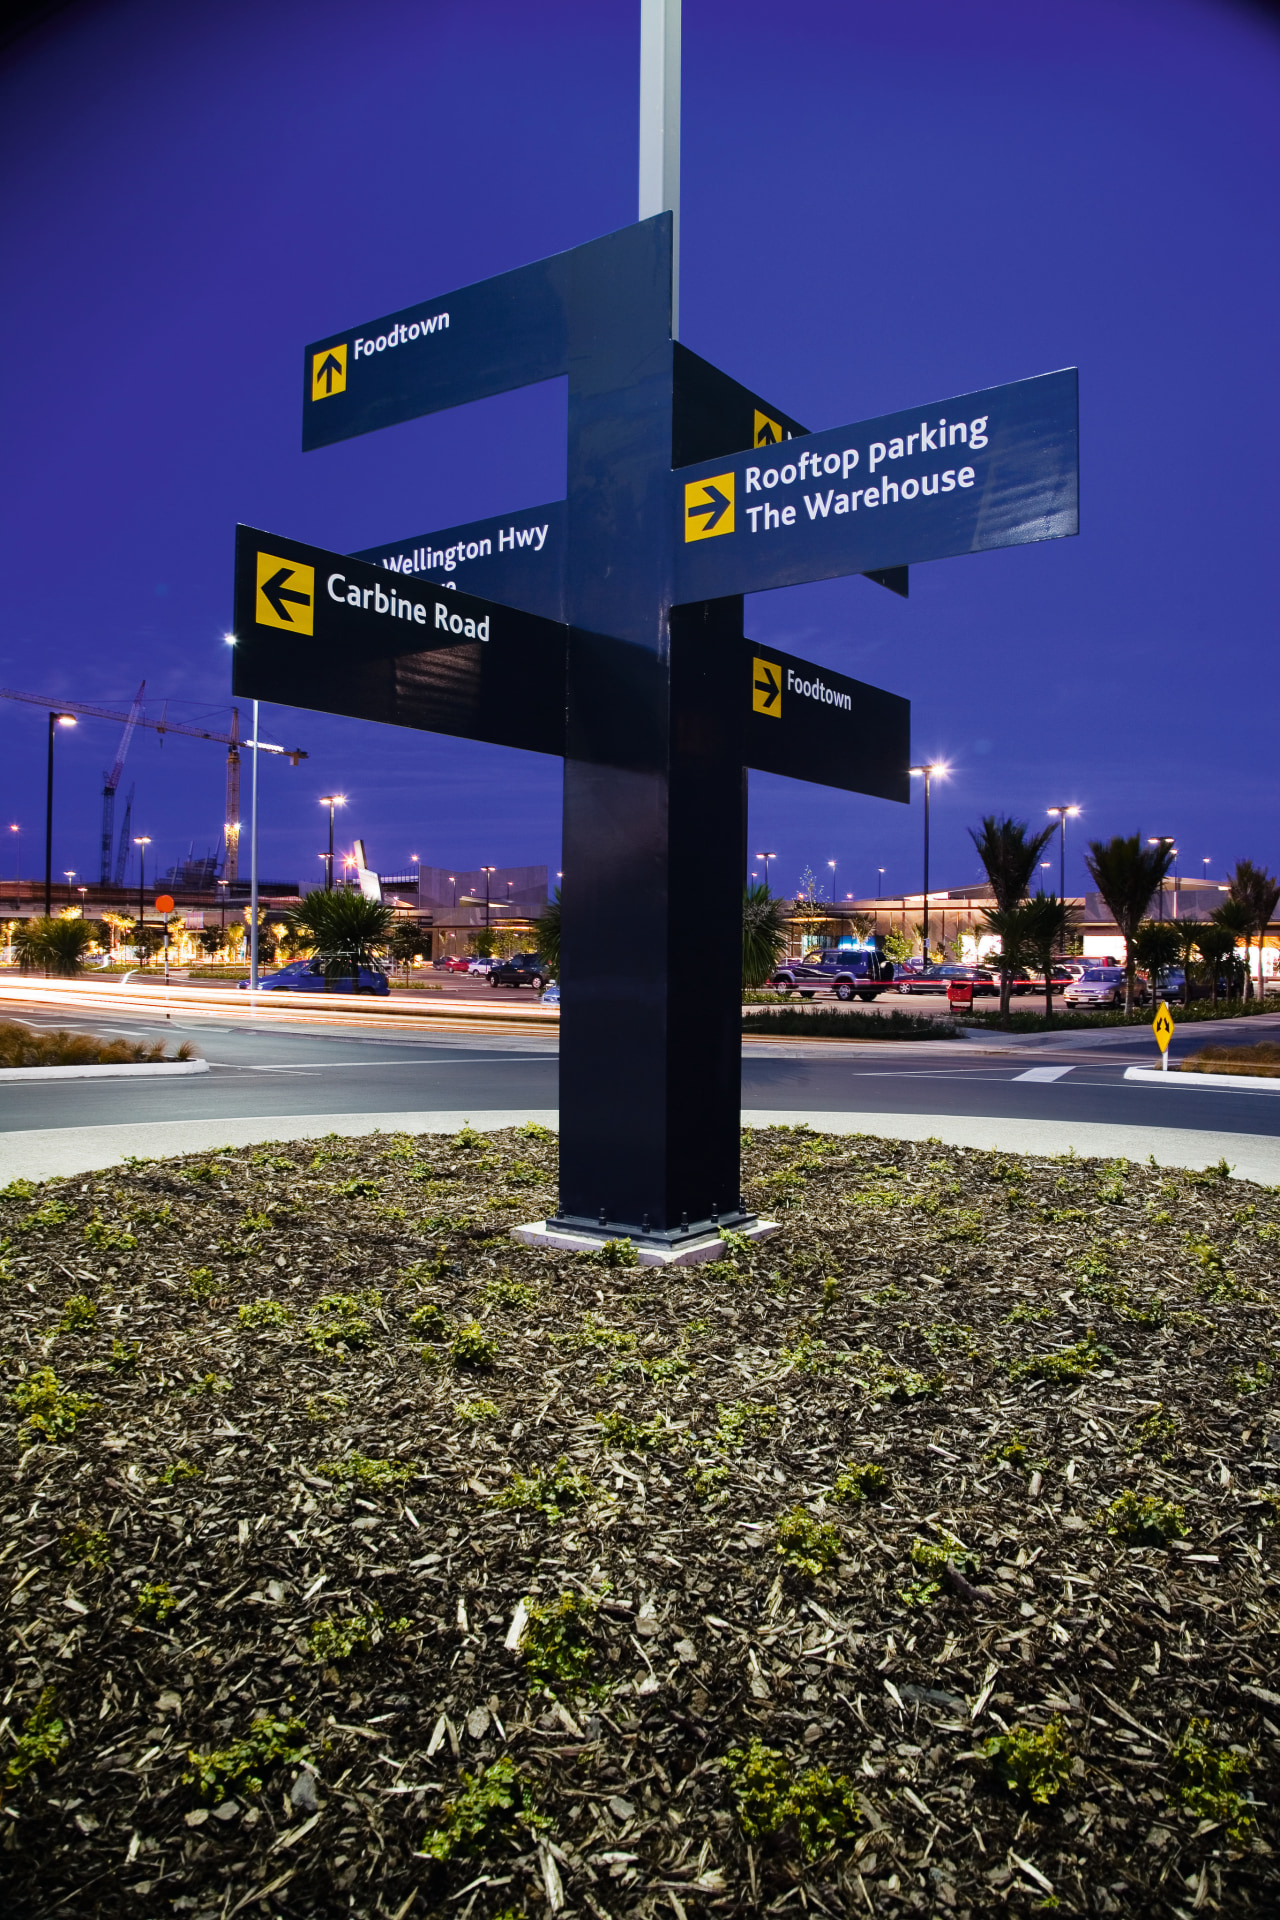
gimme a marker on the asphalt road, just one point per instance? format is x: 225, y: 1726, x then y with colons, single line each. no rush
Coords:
x: 294, y: 1071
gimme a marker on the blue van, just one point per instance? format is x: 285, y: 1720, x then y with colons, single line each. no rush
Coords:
x: 308, y: 976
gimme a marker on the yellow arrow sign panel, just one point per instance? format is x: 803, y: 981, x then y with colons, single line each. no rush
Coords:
x: 708, y: 507
x: 1162, y: 1027
x: 286, y: 595
x: 766, y: 688
x: 329, y: 372
x: 767, y: 432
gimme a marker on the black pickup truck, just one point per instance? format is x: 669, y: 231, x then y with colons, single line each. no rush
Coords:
x: 851, y: 972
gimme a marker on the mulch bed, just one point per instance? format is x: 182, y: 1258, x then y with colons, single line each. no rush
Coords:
x: 358, y: 1560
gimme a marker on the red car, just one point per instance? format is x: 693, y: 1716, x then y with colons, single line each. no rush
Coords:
x: 454, y: 963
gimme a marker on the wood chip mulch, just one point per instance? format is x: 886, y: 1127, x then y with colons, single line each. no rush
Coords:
x: 357, y: 1560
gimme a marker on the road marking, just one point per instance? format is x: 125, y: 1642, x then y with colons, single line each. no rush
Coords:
x: 1043, y: 1073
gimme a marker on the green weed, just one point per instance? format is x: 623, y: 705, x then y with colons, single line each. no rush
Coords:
x: 616, y: 1253
x: 856, y: 1482
x: 339, y: 1636
x: 18, y: 1190
x: 210, y: 1383
x: 54, y: 1213
x: 494, y: 1804
x: 521, y: 1173
x: 467, y: 1138
x: 511, y: 1293
x: 265, y: 1313
x: 1243, y: 1382
x: 532, y: 1131
x: 1144, y: 1520
x: 820, y: 1808
x: 356, y: 1189
x: 1154, y: 1430
x: 124, y: 1357
x: 337, y: 1320
x: 1221, y: 1170
x: 1023, y: 1313
x: 616, y: 1430
x: 245, y: 1763
x: 1063, y: 1368
x: 358, y: 1470
x: 155, y: 1602
x: 809, y: 1547
x: 551, y: 1491
x: 79, y: 1315
x: 43, y: 1740
x: 738, y: 1423
x: 201, y: 1284
x: 430, y: 1321
x: 1030, y: 1762
x: 178, y: 1470
x: 108, y: 1239
x: 1205, y: 1780
x: 473, y: 1411
x: 556, y: 1644
x: 321, y: 1407
x: 82, y: 1545
x: 595, y: 1335
x: 472, y: 1347
x: 51, y: 1410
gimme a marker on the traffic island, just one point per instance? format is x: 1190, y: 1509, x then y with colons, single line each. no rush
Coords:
x: 920, y: 1558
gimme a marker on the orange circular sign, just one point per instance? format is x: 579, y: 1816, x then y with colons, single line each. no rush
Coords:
x: 164, y: 903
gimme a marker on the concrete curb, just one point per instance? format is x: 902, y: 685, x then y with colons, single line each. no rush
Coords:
x: 57, y: 1152
x: 1235, y: 1082
x: 119, y: 1070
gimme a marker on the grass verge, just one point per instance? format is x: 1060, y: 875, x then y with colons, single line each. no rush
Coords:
x: 827, y: 1024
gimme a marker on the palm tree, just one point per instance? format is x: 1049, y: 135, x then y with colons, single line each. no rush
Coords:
x: 1191, y: 935
x: 1012, y: 927
x: 1235, y: 919
x: 1009, y: 860
x: 764, y: 935
x: 1256, y: 892
x: 1127, y: 874
x: 1156, y: 946
x: 1217, y: 942
x: 344, y: 930
x: 547, y: 928
x: 1047, y: 922
x: 58, y: 946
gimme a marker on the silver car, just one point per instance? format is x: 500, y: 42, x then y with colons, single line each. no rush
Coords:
x: 1100, y: 987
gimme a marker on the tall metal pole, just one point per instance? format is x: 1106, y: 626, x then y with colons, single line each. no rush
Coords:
x: 48, y: 826
x: 927, y: 772
x: 253, y: 862
x: 328, y: 871
x: 660, y: 126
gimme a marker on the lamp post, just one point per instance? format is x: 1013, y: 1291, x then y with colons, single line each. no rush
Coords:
x: 879, y: 880
x: 1044, y: 868
x: 1061, y: 814
x: 141, y: 841
x: 331, y: 800
x: 1204, y: 863
x: 766, y: 857
x: 68, y: 874
x: 55, y: 720
x: 927, y: 772
x: 222, y: 903
x: 487, y: 871
x: 1164, y: 840
x: 17, y: 854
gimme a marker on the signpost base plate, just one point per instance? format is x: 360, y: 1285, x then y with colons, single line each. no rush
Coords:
x: 686, y: 1251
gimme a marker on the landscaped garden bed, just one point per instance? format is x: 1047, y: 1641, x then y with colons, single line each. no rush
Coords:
x: 920, y: 1559
x: 22, y: 1046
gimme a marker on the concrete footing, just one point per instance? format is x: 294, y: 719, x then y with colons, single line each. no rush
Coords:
x: 687, y: 1253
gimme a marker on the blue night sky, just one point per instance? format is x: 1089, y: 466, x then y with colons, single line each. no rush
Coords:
x: 882, y: 207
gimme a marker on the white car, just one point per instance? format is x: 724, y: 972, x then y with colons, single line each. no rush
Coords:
x: 1101, y: 987
x: 482, y: 966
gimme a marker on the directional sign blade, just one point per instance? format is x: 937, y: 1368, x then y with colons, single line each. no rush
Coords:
x: 510, y: 331
x: 518, y: 558
x: 1162, y: 1027
x: 378, y: 646
x: 812, y: 724
x: 997, y: 468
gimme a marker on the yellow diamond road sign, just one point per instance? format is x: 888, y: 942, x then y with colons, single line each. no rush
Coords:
x: 767, y: 432
x: 766, y: 688
x: 286, y: 595
x: 708, y: 507
x: 329, y: 372
x: 1162, y: 1027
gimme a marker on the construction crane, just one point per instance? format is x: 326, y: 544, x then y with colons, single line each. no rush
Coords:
x: 110, y: 781
x: 135, y: 718
x: 122, y: 858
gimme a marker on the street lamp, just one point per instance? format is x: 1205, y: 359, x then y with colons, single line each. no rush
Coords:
x: 1166, y: 840
x: 1204, y: 863
x: 1044, y: 868
x: 487, y: 871
x: 222, y: 901
x: 142, y: 841
x: 55, y: 720
x: 331, y: 800
x: 927, y: 772
x: 68, y: 874
x: 766, y: 857
x: 879, y: 880
x: 1061, y: 814
x: 17, y: 854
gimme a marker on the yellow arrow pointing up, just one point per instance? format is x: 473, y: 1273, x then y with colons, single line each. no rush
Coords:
x: 1162, y: 1027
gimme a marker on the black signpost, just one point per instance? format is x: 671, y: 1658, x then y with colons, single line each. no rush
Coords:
x: 614, y: 636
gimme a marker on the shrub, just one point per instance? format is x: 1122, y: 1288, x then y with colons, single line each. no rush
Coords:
x: 1205, y: 1777
x: 42, y: 1742
x: 492, y: 1805
x: 50, y: 1409
x: 856, y: 1482
x: 1145, y: 1521
x: 1037, y: 1764
x: 822, y: 1809
x: 810, y: 1547
x: 270, y: 1743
